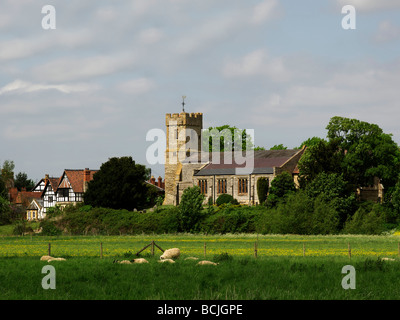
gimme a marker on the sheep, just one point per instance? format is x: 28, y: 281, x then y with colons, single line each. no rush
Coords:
x: 139, y: 260
x: 191, y: 258
x: 45, y: 258
x: 205, y: 262
x: 124, y: 262
x: 173, y: 253
x: 56, y: 259
x: 167, y: 260
x: 388, y: 259
x: 50, y: 258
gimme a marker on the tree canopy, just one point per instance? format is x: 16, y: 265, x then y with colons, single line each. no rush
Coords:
x: 119, y: 184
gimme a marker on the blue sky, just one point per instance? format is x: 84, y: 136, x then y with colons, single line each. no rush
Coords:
x: 92, y: 88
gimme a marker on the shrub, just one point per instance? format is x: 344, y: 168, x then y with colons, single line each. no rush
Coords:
x: 226, y: 198
x: 49, y: 228
x: 262, y: 189
x: 368, y: 219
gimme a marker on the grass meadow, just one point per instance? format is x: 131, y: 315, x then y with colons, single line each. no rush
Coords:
x: 287, y: 267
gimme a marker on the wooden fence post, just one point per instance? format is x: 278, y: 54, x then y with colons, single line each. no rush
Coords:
x: 304, y: 249
x: 101, y: 250
x: 255, y: 249
x: 152, y: 248
x: 349, y: 250
x: 49, y: 249
x: 205, y: 246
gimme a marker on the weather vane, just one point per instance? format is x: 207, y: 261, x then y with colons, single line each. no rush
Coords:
x: 183, y: 103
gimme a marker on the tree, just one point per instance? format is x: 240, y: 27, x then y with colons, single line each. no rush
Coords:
x: 5, y: 211
x: 119, y: 184
x: 323, y: 156
x: 262, y: 189
x: 367, y: 152
x: 281, y: 186
x: 310, y: 142
x: 227, y: 137
x: 190, y: 208
x: 278, y: 147
x: 7, y: 173
x: 22, y: 181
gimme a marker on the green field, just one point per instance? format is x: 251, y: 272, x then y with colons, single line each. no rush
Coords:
x: 281, y: 270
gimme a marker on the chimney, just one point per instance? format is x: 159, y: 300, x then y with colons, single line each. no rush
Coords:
x: 153, y: 180
x: 86, y: 179
x: 46, y: 178
x: 159, y: 182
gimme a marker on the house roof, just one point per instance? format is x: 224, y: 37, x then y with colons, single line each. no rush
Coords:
x: 75, y: 178
x: 261, y: 161
x: 35, y: 204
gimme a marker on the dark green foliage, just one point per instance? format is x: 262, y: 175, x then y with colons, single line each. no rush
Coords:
x: 262, y: 189
x: 231, y: 219
x: 21, y: 227
x: 281, y: 186
x: 49, y: 228
x: 225, y: 198
x: 5, y: 211
x: 120, y: 184
x: 22, y: 181
x: 368, y: 219
x: 332, y: 188
x: 300, y: 214
x: 190, y: 209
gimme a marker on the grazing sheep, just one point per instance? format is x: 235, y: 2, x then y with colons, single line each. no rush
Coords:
x: 139, y: 260
x: 124, y: 262
x: 167, y: 260
x: 388, y: 259
x: 49, y: 258
x: 205, y: 262
x: 191, y: 258
x: 45, y: 258
x: 56, y: 259
x: 173, y: 253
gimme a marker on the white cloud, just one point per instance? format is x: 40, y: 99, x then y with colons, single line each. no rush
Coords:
x: 75, y: 68
x: 264, y: 11
x: 136, y: 86
x: 257, y: 63
x: 370, y: 5
x: 151, y: 35
x: 387, y: 31
x: 19, y: 86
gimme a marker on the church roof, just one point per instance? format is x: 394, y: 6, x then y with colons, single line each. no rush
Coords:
x: 260, y: 162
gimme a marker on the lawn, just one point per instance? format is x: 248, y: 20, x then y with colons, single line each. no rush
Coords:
x: 279, y: 272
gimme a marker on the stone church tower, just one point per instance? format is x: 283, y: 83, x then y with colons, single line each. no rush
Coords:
x: 183, y: 140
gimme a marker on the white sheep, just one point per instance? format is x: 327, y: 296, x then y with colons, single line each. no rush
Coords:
x: 124, y: 262
x: 388, y: 259
x: 45, y: 258
x: 205, y: 262
x: 56, y: 259
x: 191, y: 258
x: 173, y: 253
x: 167, y: 260
x: 50, y: 258
x: 139, y: 260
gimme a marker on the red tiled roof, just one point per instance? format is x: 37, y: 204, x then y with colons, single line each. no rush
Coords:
x: 76, y: 178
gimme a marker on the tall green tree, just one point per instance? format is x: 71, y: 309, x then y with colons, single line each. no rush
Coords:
x: 262, y: 189
x: 119, y: 184
x: 281, y: 186
x: 367, y: 152
x: 190, y: 208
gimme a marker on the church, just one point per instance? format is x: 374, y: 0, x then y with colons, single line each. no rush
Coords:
x: 235, y: 173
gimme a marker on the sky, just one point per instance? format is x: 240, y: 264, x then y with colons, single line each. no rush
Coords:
x: 92, y: 88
